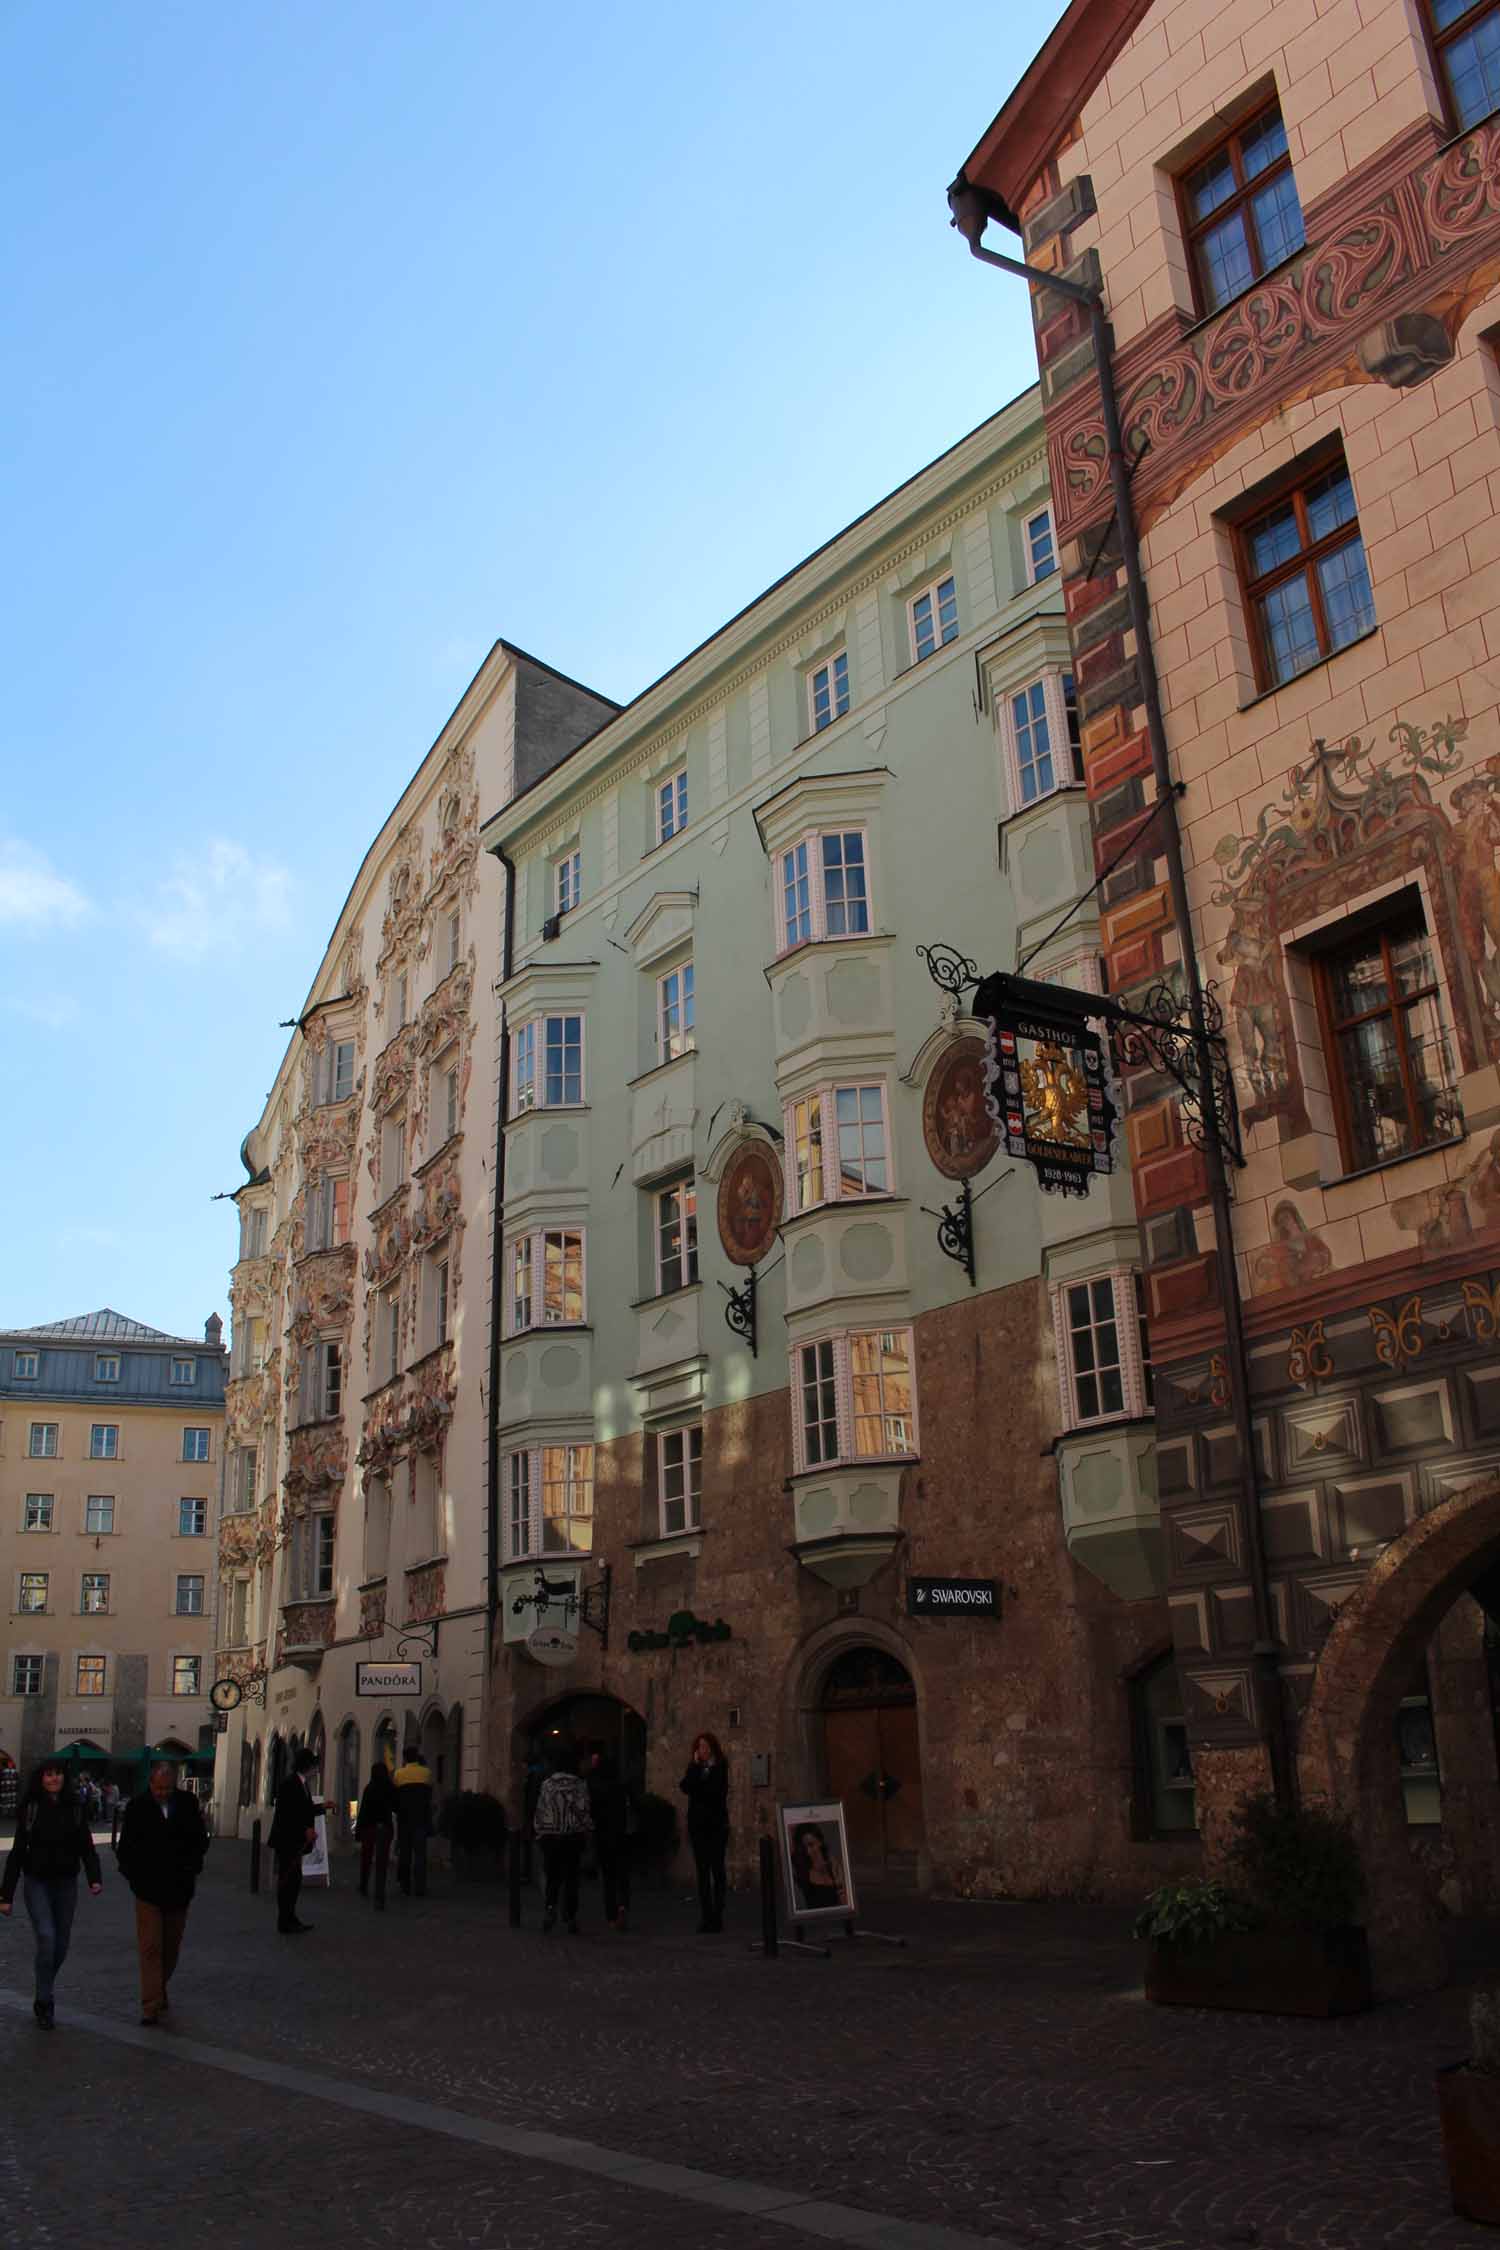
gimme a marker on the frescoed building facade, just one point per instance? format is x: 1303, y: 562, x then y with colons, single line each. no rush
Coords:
x: 747, y: 1401
x: 353, y: 1528
x: 111, y: 1452
x: 1291, y: 212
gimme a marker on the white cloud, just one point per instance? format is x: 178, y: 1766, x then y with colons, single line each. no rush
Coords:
x: 216, y: 897
x: 33, y: 896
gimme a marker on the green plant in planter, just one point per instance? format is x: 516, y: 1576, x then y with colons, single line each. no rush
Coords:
x: 1192, y: 1914
x: 1297, y: 1866
x: 473, y: 1821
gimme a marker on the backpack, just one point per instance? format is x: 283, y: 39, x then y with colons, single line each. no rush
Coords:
x: 562, y: 1809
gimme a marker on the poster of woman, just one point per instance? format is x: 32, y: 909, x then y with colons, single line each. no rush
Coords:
x: 815, y: 1862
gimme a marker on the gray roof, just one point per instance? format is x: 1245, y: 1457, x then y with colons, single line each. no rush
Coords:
x: 107, y: 1326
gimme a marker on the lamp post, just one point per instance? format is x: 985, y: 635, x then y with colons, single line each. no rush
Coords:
x: 972, y: 210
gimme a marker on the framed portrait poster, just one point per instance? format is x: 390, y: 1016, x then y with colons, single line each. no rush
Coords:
x: 815, y: 1863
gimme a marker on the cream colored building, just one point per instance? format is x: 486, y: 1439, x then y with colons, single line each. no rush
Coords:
x: 355, y: 1500
x: 111, y: 1442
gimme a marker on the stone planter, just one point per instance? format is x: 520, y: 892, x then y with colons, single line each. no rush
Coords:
x: 1268, y: 1972
x: 1469, y: 2105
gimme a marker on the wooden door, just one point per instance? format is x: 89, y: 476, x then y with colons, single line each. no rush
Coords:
x: 875, y: 1767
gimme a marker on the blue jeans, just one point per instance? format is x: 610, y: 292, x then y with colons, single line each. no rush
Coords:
x: 51, y: 1907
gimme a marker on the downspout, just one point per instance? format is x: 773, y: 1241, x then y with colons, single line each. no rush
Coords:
x: 497, y: 1278
x: 972, y: 210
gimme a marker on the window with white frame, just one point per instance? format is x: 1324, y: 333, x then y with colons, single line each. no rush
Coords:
x: 329, y: 1201
x: 568, y: 882
x: 195, y: 1445
x: 104, y: 1441
x: 99, y: 1515
x: 823, y: 888
x: 679, y: 1456
x: 333, y: 1075
x: 192, y: 1518
x: 1103, y: 1369
x: 429, y: 1514
x: 856, y: 1398
x: 545, y: 1279
x: 443, y: 1099
x: 93, y: 1596
x: 41, y: 1444
x: 452, y: 939
x: 549, y: 1501
x: 320, y: 1569
x: 189, y: 1602
x: 393, y: 1153
x: 237, y: 1611
x: 32, y: 1597
x: 250, y: 1331
x: 183, y: 1372
x: 242, y: 1480
x: 26, y: 1675
x: 1041, y: 550
x: 671, y: 805
x: 933, y: 617
x: 839, y: 1141
x: 187, y: 1675
x: 89, y: 1676
x: 389, y: 1339
x: 253, y: 1232
x: 676, y: 1235
x: 400, y: 1000
x: 23, y: 1366
x: 547, y: 1064
x: 377, y: 1526
x: 674, y: 1012
x: 828, y: 691
x: 106, y: 1367
x: 38, y: 1511
x: 1039, y: 723
x: 435, y: 1298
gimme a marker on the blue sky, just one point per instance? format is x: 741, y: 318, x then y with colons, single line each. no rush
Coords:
x: 339, y: 341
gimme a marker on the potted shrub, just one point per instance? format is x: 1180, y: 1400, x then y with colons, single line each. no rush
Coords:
x: 474, y: 1824
x: 1280, y: 1937
x: 1469, y: 2104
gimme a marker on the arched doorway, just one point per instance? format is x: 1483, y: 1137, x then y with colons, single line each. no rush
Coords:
x: 276, y: 1764
x: 872, y: 1760
x: 434, y: 1752
x: 349, y: 1779
x: 565, y: 1726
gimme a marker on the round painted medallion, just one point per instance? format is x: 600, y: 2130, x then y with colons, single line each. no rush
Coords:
x: 961, y: 1135
x: 750, y: 1203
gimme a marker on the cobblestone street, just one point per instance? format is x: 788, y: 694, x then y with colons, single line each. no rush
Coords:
x: 431, y: 2077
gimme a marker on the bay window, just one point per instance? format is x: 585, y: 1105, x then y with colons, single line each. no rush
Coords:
x: 546, y: 1064
x: 544, y: 1280
x: 1103, y: 1355
x: 838, y: 1140
x: 855, y: 1398
x: 549, y: 1501
x: 823, y: 888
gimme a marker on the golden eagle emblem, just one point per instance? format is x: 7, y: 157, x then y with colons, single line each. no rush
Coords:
x: 1056, y: 1096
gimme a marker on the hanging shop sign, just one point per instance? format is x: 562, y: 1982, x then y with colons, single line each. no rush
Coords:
x: 749, y: 1203
x: 387, y: 1679
x: 539, y: 1594
x: 953, y: 1597
x: 552, y: 1645
x: 1049, y: 1094
x: 684, y: 1630
x: 960, y: 1132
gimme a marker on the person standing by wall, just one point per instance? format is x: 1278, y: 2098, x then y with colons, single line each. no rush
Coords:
x: 52, y: 1843
x: 413, y: 1822
x: 609, y: 1807
x: 374, y: 1828
x: 294, y: 1828
x: 562, y: 1823
x: 161, y: 1850
x: 706, y: 1788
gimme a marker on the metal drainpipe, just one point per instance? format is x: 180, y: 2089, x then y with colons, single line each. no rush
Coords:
x: 497, y: 1278
x: 970, y: 212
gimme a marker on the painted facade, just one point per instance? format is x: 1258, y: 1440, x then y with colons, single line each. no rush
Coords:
x: 354, y: 1521
x: 111, y: 1452
x: 1329, y: 693
x: 733, y: 1089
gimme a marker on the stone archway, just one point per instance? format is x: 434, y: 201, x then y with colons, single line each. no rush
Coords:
x: 826, y: 1755
x: 1344, y: 1757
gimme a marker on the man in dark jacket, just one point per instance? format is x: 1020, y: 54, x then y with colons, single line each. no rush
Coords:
x: 294, y: 1829
x: 413, y: 1822
x: 609, y: 1802
x: 161, y: 1849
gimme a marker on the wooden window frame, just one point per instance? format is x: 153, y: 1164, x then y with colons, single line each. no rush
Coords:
x: 1131, y: 1340
x: 98, y: 1669
x: 811, y: 843
x: 683, y: 1041
x: 529, y: 1486
x: 828, y: 670
x: 1244, y: 190
x: 941, y: 640
x: 691, y: 1466
x: 1035, y: 577
x: 675, y: 1205
x: 840, y: 1346
x: 1308, y: 469
x: 821, y: 1104
x: 1437, y: 41
x: 669, y: 798
x: 1403, y: 908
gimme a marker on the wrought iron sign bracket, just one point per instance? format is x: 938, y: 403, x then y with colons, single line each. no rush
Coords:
x: 739, y: 1312
x: 593, y: 1605
x: 415, y: 1641
x: 956, y: 1229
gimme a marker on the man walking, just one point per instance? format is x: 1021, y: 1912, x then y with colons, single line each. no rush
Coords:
x: 161, y: 1850
x: 563, y: 1821
x: 413, y: 1822
x: 294, y: 1829
x: 610, y: 1806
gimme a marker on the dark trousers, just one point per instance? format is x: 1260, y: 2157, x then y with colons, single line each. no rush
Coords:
x: 562, y: 1857
x: 158, y: 1940
x: 51, y: 1907
x: 411, y: 1857
x: 708, y: 1857
x: 288, y: 1888
x: 374, y: 1844
x: 614, y: 1874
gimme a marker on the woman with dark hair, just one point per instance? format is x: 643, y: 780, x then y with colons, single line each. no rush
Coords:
x: 706, y: 1788
x: 817, y: 1874
x: 374, y: 1828
x: 52, y: 1843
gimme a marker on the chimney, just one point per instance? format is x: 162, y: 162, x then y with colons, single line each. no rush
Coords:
x: 213, y: 1332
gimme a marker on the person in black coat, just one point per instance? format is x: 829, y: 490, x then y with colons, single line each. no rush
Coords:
x: 294, y: 1829
x: 609, y: 1802
x: 161, y: 1849
x: 52, y: 1843
x: 374, y: 1828
x: 706, y: 1788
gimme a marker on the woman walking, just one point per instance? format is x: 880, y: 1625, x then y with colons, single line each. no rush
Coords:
x: 52, y: 1843
x: 706, y: 1788
x: 375, y: 1827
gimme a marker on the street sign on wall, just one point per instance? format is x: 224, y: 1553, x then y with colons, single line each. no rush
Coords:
x: 387, y: 1679
x: 953, y: 1597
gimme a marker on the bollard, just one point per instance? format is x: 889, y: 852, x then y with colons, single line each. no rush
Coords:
x: 768, y: 1896
x: 513, y: 1874
x: 255, y: 1855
